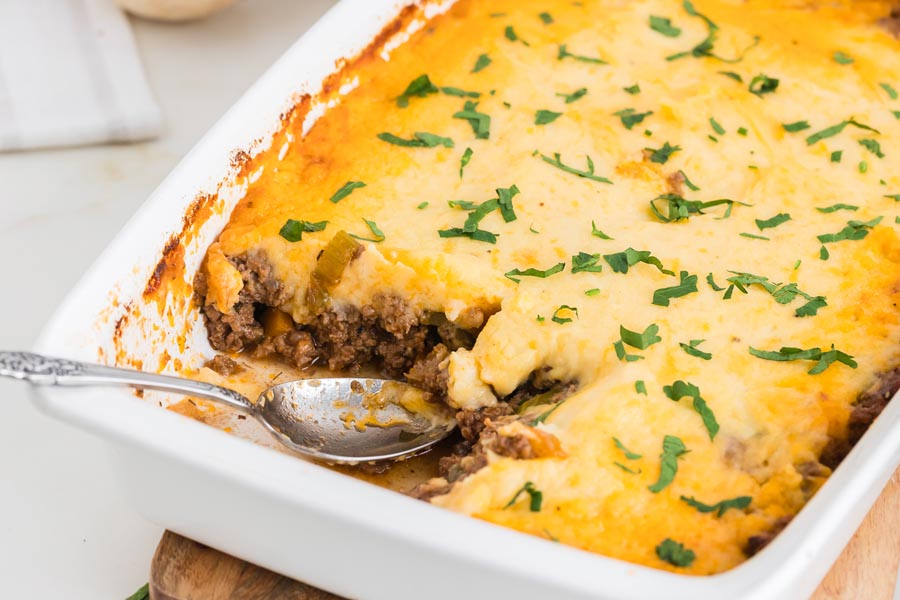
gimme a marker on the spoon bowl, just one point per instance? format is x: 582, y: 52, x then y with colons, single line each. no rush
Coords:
x: 337, y: 420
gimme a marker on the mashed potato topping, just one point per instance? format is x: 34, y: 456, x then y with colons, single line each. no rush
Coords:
x: 689, y: 209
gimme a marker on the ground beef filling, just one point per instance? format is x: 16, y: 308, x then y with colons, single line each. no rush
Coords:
x: 387, y: 334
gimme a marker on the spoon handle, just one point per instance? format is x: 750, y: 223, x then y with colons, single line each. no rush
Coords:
x: 44, y: 370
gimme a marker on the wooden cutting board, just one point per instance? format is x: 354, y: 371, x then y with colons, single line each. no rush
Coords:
x: 185, y: 570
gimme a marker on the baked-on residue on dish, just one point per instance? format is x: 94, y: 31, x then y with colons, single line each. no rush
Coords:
x: 648, y: 249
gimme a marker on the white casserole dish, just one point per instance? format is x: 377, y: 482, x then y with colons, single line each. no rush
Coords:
x: 305, y: 521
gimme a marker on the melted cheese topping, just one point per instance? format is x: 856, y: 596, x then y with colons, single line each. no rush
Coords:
x: 773, y: 416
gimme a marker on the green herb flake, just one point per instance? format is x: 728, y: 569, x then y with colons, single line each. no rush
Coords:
x: 690, y: 184
x: 712, y: 283
x: 641, y: 388
x: 742, y: 131
x: 532, y: 229
x: 854, y: 230
x: 687, y: 285
x: 556, y: 161
x: 541, y: 274
x: 422, y: 205
x: 823, y: 253
x: 622, y: 354
x: 797, y: 264
x: 592, y: 292
x: 685, y: 389
x: 891, y: 92
x: 464, y: 160
x: 753, y: 236
x: 481, y: 62
x: 543, y: 117
x: 597, y: 233
x: 480, y: 122
x: 824, y: 359
x: 346, y: 190
x: 558, y: 314
x: 540, y: 319
x: 535, y: 496
x: 641, y: 341
x: 679, y: 209
x: 293, y: 230
x: 628, y: 453
x: 692, y: 349
x: 894, y: 197
x: 795, y: 126
x: 620, y: 262
x: 739, y: 503
x: 675, y: 553
x: 633, y: 89
x: 564, y: 53
x: 716, y: 126
x: 896, y: 113
x: 478, y: 235
x: 836, y: 156
x: 763, y: 84
x: 630, y: 117
x: 732, y: 75
x: 543, y: 416
x: 627, y: 469
x: 546, y: 18
x: 872, y: 146
x: 512, y: 36
x: 705, y: 47
x: 577, y: 94
x: 842, y: 58
x: 420, y: 87
x: 673, y: 448
x: 373, y: 227
x: 586, y: 263
x: 421, y: 139
x: 835, y: 130
x: 836, y: 207
x: 773, y: 222
x: 661, y: 155
x: 142, y: 593
x: 664, y: 26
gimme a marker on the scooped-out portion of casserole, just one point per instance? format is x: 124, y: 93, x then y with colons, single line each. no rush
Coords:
x: 648, y: 250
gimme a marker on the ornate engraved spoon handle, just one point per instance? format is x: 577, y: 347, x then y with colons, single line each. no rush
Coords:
x: 45, y: 370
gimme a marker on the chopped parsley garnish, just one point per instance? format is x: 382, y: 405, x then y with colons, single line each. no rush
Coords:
x: 675, y: 553
x: 479, y: 235
x: 742, y: 131
x: 558, y: 314
x: 592, y: 292
x: 679, y: 209
x: 373, y: 227
x: 570, y: 98
x: 641, y: 388
x: 532, y: 229
x: 481, y: 62
x: 763, y: 84
x: 796, y: 126
x: 687, y: 285
x: 464, y: 160
x: 753, y: 236
x: 773, y: 222
x: 633, y: 89
x: 854, y: 230
x: 621, y: 261
x: 712, y: 283
x: 835, y: 130
x: 872, y: 146
x: 546, y: 18
x: 630, y: 117
x: 346, y: 190
x: 681, y: 389
x: 693, y: 350
x: 293, y: 230
x: 460, y: 93
x: 543, y: 117
x: 836, y: 156
x: 421, y: 139
x: 543, y: 416
x: 823, y: 253
x: 584, y: 262
x: 664, y: 26
x: 705, y: 47
x: 542, y: 274
x: 891, y: 92
x: 673, y: 448
x: 716, y: 126
x: 589, y: 174
x: 564, y: 53
x: 512, y: 36
x: 782, y: 294
x: 896, y: 113
x: 740, y: 503
x: 690, y: 184
x: 621, y: 353
x: 824, y: 359
x: 597, y: 233
x: 842, y: 59
x: 732, y: 75
x: 661, y: 155
x: 628, y: 453
x: 419, y: 87
x: 627, y: 469
x: 422, y: 205
x: 836, y: 207
x: 894, y: 197
x: 533, y: 493
x: 863, y: 166
x: 480, y: 122
x: 641, y: 341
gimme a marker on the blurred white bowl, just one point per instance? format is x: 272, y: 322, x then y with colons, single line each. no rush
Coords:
x: 173, y: 10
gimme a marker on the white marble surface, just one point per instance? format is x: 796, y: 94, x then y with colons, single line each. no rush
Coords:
x: 64, y: 530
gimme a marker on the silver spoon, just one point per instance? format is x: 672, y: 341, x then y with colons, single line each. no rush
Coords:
x: 340, y: 420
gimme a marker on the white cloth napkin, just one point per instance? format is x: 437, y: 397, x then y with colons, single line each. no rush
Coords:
x: 70, y: 75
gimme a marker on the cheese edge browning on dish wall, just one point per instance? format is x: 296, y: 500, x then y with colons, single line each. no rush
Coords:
x: 630, y: 430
